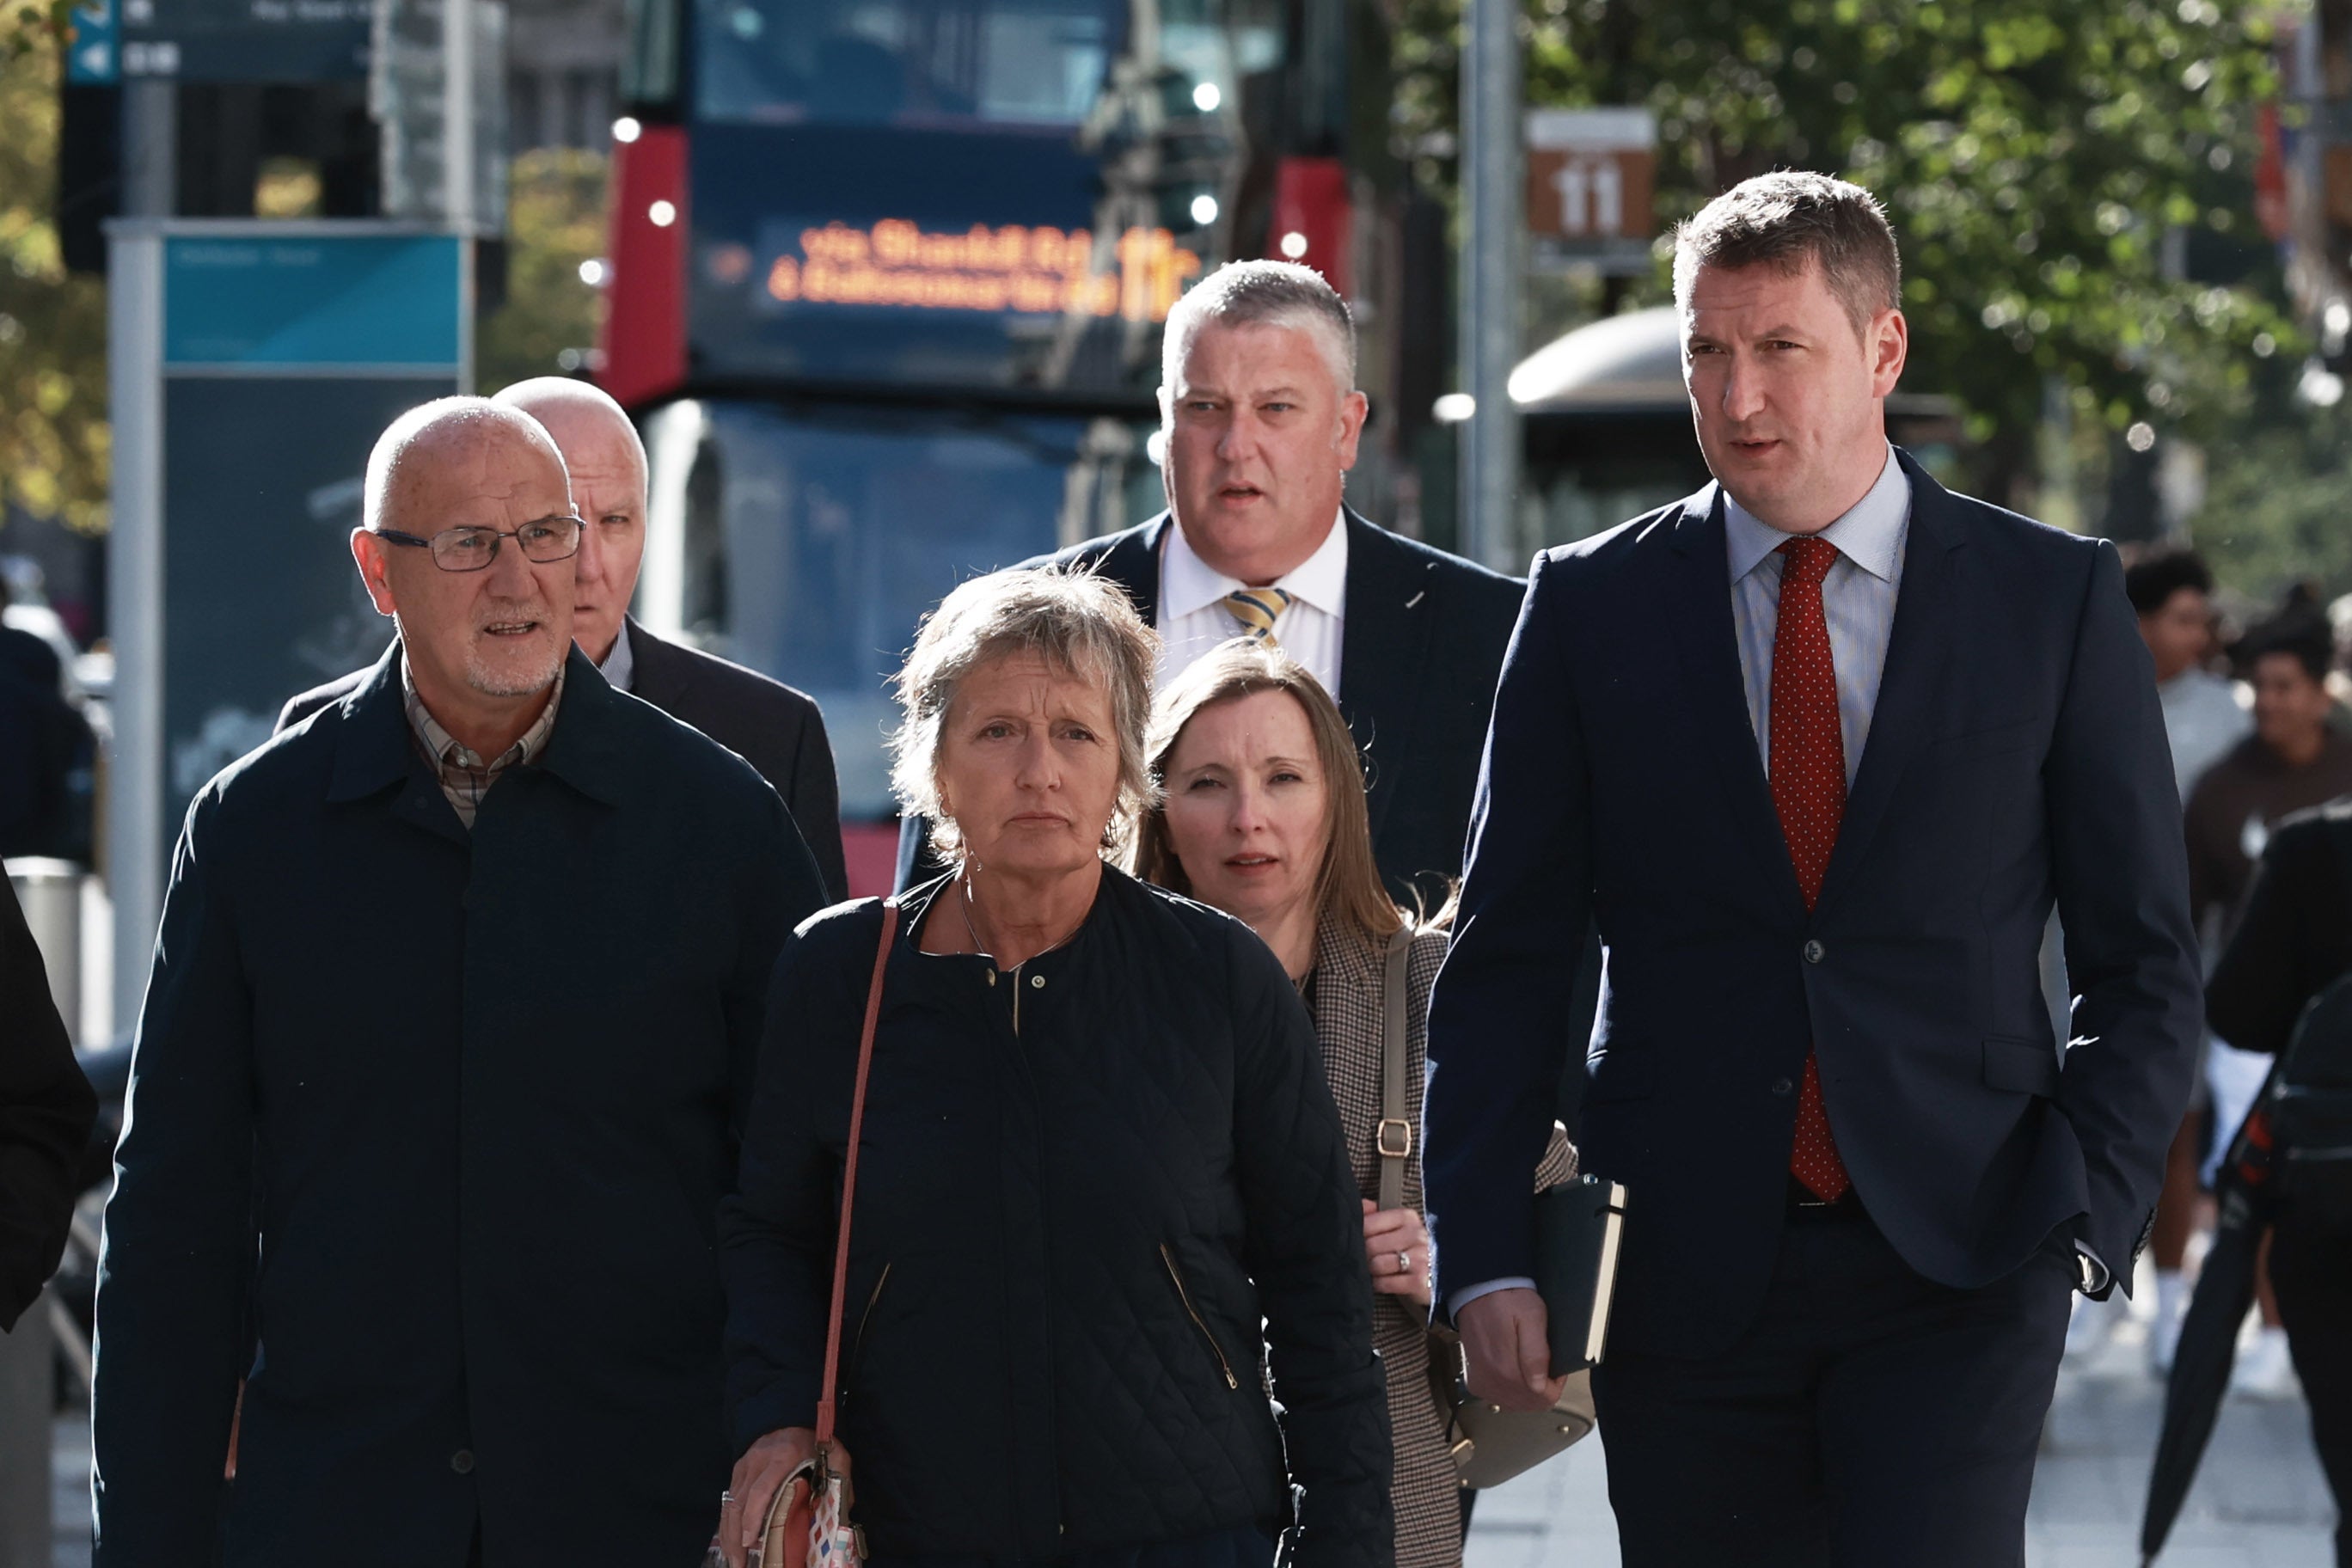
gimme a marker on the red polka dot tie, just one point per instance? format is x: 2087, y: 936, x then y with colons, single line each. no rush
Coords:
x: 1807, y: 766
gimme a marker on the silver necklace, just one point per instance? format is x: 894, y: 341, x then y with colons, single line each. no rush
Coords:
x: 964, y: 907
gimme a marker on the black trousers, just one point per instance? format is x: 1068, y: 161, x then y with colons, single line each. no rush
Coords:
x: 2312, y: 1273
x: 1868, y: 1417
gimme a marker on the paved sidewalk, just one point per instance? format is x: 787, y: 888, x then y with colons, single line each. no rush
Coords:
x: 2260, y: 1500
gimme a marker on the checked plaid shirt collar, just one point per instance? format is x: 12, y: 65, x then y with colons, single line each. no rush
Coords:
x: 465, y: 777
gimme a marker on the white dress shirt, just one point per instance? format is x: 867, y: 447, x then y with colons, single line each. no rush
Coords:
x: 1193, y: 619
x: 620, y: 666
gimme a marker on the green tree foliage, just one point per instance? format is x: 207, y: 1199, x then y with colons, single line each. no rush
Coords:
x: 555, y: 221
x: 2036, y: 159
x: 2274, y: 511
x: 53, y: 429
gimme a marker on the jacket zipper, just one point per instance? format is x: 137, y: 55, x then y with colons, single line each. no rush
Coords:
x: 1186, y: 1296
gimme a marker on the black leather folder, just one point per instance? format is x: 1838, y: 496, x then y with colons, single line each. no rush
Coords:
x: 1579, y: 1226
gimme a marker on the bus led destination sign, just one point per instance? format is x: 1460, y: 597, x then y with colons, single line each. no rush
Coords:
x: 1033, y: 271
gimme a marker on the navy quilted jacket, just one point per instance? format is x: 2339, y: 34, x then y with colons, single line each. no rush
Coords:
x: 1085, y: 1186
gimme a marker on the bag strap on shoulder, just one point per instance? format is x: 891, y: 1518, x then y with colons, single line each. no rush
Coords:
x: 1393, y: 1139
x: 829, y: 1398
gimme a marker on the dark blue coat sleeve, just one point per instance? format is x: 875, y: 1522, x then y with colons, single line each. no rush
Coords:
x: 2121, y: 872
x: 179, y: 1233
x: 1496, y: 1029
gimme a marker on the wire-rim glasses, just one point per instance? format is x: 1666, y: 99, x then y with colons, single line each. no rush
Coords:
x: 472, y: 549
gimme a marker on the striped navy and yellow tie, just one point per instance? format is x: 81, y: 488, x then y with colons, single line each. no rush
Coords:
x: 1257, y: 609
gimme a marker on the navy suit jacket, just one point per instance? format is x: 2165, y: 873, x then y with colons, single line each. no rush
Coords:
x: 482, y: 1127
x: 1419, y: 654
x: 2016, y: 757
x: 769, y: 725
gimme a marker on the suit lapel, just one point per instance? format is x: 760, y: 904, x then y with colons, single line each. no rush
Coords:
x: 1918, y: 650
x: 1383, y: 647
x: 1707, y: 642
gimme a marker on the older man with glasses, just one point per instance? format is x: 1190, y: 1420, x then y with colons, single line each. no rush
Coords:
x: 453, y: 1012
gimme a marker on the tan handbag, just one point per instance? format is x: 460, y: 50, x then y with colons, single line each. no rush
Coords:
x: 1489, y: 1444
x: 808, y: 1524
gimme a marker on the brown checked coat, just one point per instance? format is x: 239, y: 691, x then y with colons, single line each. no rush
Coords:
x: 1346, y: 997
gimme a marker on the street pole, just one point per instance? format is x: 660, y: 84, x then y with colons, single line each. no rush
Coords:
x: 1492, y: 161
x: 457, y: 111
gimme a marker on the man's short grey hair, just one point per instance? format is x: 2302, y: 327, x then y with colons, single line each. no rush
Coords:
x: 429, y: 425
x: 1082, y: 623
x: 1786, y: 221
x: 1262, y: 293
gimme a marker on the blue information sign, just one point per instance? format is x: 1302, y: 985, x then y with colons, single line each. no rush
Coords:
x: 372, y: 301
x: 246, y: 41
x: 94, y: 57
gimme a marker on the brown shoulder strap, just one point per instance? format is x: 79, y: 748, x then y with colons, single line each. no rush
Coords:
x: 825, y: 1402
x: 1392, y: 1140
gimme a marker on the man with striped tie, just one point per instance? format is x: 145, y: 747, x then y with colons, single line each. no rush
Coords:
x: 1817, y: 749
x: 1261, y: 415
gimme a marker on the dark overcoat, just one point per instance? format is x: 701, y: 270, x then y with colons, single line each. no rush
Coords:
x: 480, y: 1095
x: 45, y: 1111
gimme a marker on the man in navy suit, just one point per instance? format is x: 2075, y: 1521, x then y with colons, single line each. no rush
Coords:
x: 1817, y: 749
x: 1261, y: 417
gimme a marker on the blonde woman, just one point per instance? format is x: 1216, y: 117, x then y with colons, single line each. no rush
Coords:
x: 1262, y: 815
x: 1102, y: 1194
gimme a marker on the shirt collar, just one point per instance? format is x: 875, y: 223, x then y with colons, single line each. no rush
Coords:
x: 620, y: 666
x: 446, y: 751
x: 1870, y: 534
x: 1188, y: 583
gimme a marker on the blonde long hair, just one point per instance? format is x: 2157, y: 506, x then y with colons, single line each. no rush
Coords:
x: 1348, y: 884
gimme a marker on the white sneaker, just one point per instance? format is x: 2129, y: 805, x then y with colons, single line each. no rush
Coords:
x: 2164, y: 1330
x: 2265, y: 1370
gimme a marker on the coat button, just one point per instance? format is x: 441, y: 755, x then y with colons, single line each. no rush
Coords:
x: 1816, y: 951
x: 991, y: 977
x: 1036, y: 983
x: 462, y: 1461
x: 1782, y: 1085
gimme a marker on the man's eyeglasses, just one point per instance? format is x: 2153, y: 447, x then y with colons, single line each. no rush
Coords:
x: 471, y: 549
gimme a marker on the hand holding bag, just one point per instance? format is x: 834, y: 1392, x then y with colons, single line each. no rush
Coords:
x: 808, y: 1524
x: 1490, y: 1445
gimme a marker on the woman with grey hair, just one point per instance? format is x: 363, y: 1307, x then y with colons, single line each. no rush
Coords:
x: 1103, y: 1206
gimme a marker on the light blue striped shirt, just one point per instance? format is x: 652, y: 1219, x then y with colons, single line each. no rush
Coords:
x: 1857, y: 601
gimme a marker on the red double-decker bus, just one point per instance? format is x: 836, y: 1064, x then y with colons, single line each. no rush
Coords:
x: 887, y: 281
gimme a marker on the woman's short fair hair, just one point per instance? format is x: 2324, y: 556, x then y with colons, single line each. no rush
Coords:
x: 1080, y: 623
x: 1348, y: 884
x: 1262, y: 293
x: 1788, y: 221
